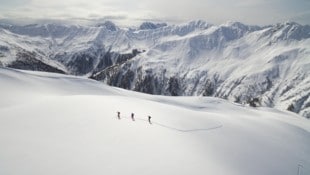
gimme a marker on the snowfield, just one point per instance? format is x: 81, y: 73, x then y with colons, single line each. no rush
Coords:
x: 56, y: 124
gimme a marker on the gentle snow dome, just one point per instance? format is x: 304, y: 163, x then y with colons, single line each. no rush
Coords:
x: 259, y: 12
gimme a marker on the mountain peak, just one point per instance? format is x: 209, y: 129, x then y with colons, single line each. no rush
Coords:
x: 199, y: 23
x: 151, y: 26
x: 290, y: 31
x: 108, y: 25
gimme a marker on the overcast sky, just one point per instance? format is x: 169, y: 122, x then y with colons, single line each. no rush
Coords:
x: 261, y: 12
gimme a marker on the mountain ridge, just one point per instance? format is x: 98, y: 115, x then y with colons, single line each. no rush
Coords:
x: 266, y: 66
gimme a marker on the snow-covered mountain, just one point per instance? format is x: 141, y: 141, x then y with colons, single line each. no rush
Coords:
x: 60, y: 124
x: 268, y: 66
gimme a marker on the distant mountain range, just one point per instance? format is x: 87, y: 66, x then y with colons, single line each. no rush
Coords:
x: 260, y: 66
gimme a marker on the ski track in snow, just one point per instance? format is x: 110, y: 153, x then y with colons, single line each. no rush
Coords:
x: 173, y: 128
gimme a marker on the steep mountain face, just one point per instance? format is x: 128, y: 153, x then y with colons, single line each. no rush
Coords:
x: 77, y: 50
x: 268, y: 66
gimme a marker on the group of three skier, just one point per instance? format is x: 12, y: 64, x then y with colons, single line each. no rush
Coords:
x: 133, y: 117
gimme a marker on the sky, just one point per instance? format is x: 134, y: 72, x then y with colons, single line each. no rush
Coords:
x: 258, y: 12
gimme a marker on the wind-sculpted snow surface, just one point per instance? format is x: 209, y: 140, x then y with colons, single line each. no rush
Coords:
x: 58, y: 124
x: 261, y: 66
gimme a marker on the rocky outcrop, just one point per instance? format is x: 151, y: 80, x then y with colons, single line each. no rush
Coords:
x: 28, y: 61
x: 258, y: 94
x: 151, y: 26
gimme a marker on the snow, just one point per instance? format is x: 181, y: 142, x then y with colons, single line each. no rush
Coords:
x: 59, y: 124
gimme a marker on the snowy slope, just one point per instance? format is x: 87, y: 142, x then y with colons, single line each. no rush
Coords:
x: 241, y: 63
x: 58, y: 124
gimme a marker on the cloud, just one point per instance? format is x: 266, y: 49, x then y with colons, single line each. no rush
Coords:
x: 303, y: 17
x: 252, y: 3
x: 214, y: 11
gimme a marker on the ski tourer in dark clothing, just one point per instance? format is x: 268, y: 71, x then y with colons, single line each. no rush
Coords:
x: 118, y: 115
x: 149, y: 119
x: 132, y: 116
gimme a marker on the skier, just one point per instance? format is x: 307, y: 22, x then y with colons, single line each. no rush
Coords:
x: 118, y: 115
x: 132, y: 117
x: 149, y: 119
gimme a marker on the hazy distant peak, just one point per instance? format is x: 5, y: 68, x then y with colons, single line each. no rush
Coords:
x: 150, y: 25
x: 108, y: 25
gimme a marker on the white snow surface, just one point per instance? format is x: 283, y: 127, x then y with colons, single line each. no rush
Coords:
x: 57, y: 124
